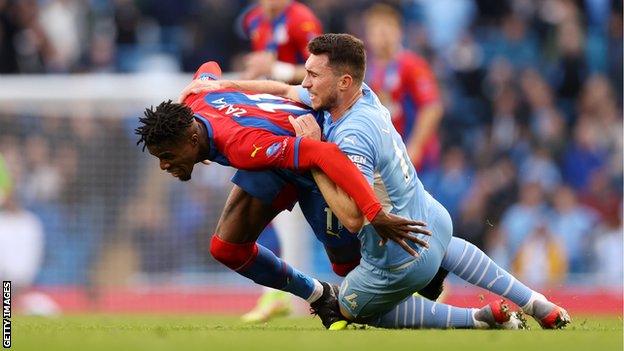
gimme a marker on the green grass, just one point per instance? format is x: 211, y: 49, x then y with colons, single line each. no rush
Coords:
x: 175, y: 332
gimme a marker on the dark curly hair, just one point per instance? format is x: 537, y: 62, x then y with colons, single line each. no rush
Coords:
x: 165, y: 124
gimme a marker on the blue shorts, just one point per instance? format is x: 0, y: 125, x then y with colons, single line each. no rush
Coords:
x: 369, y: 291
x: 283, y: 188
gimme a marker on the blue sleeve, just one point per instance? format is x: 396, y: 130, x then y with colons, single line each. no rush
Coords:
x: 304, y: 95
x: 355, y: 142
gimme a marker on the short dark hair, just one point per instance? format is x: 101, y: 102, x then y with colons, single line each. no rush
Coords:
x: 345, y: 52
x: 167, y: 123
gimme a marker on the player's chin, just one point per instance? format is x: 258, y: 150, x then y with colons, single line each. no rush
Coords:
x: 185, y: 177
x: 317, y: 104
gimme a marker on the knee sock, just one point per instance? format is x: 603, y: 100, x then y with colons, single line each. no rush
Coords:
x: 418, y: 312
x: 259, y: 264
x: 269, y: 239
x: 472, y: 265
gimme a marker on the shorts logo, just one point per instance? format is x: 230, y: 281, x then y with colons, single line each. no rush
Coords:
x: 351, y: 300
x: 273, y: 149
x: 256, y: 149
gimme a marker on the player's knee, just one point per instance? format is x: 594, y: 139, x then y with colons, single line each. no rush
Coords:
x: 342, y: 269
x: 234, y: 256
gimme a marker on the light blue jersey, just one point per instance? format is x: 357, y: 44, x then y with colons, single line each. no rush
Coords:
x: 366, y: 135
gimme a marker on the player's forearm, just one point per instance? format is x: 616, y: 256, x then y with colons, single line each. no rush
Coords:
x: 328, y: 158
x: 299, y: 75
x: 340, y: 203
x: 428, y: 120
x: 264, y: 87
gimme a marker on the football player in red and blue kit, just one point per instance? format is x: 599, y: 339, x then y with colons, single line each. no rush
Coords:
x: 405, y: 84
x: 251, y: 132
x: 279, y: 31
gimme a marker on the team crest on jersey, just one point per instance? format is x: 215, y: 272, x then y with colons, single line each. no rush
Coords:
x: 274, y: 148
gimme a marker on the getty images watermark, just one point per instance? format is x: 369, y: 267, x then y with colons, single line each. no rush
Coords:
x: 6, y: 314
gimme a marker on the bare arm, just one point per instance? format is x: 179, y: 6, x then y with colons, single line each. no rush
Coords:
x: 265, y: 64
x: 427, y: 124
x: 257, y: 86
x: 340, y: 203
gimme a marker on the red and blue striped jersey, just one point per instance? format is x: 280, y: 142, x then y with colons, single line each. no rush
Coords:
x: 248, y: 130
x: 287, y: 35
x: 404, y: 85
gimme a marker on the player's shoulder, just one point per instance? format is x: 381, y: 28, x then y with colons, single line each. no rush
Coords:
x: 366, y: 120
x: 251, y: 14
x: 300, y: 10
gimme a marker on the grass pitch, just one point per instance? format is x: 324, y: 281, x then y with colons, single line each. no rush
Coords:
x: 209, y: 332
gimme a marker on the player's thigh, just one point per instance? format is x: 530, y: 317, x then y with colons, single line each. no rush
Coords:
x: 368, y: 291
x: 243, y: 217
x: 347, y: 252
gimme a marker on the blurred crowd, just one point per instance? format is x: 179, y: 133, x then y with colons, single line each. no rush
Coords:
x: 531, y: 167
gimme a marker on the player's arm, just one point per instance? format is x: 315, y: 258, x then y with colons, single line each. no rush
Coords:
x: 424, y: 91
x: 341, y: 204
x: 254, y: 149
x: 265, y: 64
x: 428, y: 120
x: 256, y: 86
x: 357, y: 144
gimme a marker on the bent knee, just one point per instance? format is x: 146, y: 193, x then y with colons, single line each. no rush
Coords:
x: 342, y: 269
x: 234, y: 256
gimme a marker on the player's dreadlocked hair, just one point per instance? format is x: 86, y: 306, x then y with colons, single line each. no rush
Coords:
x: 166, y: 123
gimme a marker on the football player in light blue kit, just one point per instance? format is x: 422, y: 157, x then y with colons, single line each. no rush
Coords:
x: 379, y: 291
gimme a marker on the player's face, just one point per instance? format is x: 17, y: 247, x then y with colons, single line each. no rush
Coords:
x: 383, y: 35
x: 273, y: 7
x: 177, y: 159
x: 321, y: 82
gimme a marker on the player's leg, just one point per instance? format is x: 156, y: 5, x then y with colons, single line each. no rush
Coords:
x: 417, y: 312
x: 369, y: 292
x: 435, y: 288
x: 234, y: 245
x: 344, y: 258
x: 472, y: 265
x: 272, y: 303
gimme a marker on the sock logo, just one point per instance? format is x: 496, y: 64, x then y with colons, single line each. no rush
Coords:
x: 498, y: 276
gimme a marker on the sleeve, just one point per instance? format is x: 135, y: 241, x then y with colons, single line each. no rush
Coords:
x: 303, y: 29
x: 422, y: 84
x: 304, y: 95
x: 258, y: 150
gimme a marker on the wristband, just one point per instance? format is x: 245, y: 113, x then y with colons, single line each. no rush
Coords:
x: 283, y: 71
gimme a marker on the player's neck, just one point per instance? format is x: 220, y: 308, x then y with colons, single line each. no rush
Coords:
x: 347, y: 102
x: 204, y: 143
x: 387, y: 54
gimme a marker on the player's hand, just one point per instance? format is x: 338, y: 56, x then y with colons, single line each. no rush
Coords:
x: 199, y: 86
x: 398, y: 229
x: 258, y: 64
x: 306, y: 126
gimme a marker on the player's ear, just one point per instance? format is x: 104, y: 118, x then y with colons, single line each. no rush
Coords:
x: 194, y: 139
x: 345, y: 82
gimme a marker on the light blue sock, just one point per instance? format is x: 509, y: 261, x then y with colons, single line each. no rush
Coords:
x: 418, y: 312
x: 472, y: 265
